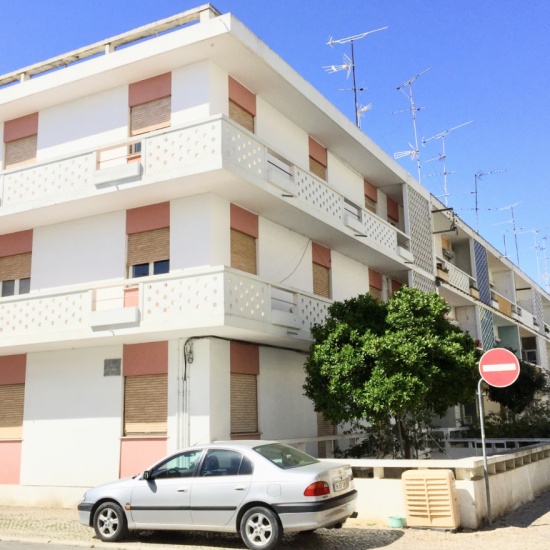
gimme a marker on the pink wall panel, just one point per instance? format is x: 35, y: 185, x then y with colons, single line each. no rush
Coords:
x: 147, y: 218
x: 16, y: 243
x: 320, y: 254
x: 12, y: 370
x: 150, y: 89
x: 137, y: 454
x: 10, y: 461
x: 21, y: 127
x: 317, y: 152
x: 244, y: 358
x: 242, y: 97
x: 148, y: 358
x: 244, y: 221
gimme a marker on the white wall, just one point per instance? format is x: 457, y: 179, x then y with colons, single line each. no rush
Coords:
x: 209, y: 382
x: 283, y: 411
x: 284, y: 256
x: 281, y: 134
x: 198, y: 91
x: 199, y: 232
x: 79, y: 251
x: 342, y: 178
x: 349, y: 277
x: 87, y: 123
x: 73, y: 418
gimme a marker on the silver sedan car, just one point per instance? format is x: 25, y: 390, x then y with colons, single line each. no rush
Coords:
x: 256, y: 488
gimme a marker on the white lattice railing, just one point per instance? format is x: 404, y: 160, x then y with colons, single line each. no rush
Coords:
x: 178, y: 299
x: 458, y: 278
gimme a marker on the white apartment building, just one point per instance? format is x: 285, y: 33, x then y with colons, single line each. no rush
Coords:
x: 175, y: 215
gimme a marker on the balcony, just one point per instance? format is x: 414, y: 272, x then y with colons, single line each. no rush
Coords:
x: 218, y: 301
x: 181, y: 161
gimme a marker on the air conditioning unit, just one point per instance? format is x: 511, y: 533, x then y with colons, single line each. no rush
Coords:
x: 448, y: 253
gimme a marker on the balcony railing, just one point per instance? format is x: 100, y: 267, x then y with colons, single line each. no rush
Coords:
x: 176, y: 301
x: 454, y: 276
x: 193, y: 149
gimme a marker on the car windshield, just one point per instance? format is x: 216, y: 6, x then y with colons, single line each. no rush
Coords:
x: 285, y: 457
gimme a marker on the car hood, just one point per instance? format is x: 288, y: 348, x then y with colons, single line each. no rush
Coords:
x: 111, y: 489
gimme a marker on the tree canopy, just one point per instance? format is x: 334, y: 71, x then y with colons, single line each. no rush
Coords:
x: 401, y: 359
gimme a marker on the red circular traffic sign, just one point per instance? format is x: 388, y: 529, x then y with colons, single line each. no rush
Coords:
x: 499, y: 367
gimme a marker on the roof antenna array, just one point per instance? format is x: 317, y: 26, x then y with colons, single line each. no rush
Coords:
x: 414, y: 152
x: 349, y: 66
x: 443, y: 155
x: 513, y: 222
x: 477, y: 177
x: 545, y: 276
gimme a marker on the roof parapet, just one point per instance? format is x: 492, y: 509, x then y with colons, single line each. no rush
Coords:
x: 109, y: 45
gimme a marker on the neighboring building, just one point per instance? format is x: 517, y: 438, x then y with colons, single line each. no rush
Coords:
x: 175, y: 215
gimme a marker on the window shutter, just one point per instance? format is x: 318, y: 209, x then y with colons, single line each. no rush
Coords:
x: 11, y: 411
x: 150, y: 116
x: 243, y: 251
x: 324, y: 427
x: 244, y: 404
x: 20, y: 151
x: 17, y: 266
x: 317, y: 168
x: 375, y: 293
x: 321, y: 280
x: 149, y: 246
x: 146, y: 404
x: 241, y: 116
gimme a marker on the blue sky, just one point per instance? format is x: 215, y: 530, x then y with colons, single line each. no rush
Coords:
x: 488, y: 63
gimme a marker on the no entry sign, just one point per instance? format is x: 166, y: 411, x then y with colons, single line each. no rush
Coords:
x: 499, y: 367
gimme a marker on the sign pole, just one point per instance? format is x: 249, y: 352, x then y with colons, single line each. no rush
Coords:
x: 485, y: 468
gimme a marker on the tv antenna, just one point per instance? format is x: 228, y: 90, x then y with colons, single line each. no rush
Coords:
x: 513, y: 222
x: 443, y: 155
x: 414, y: 152
x: 349, y: 66
x: 545, y: 276
x: 535, y: 246
x: 478, y: 176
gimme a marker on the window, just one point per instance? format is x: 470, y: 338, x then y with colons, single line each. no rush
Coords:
x: 393, y: 211
x: 242, y: 105
x: 375, y: 284
x: 371, y: 196
x: 244, y: 232
x: 20, y: 140
x: 317, y: 159
x: 223, y: 462
x: 12, y: 395
x: 245, y: 367
x: 150, y: 104
x: 145, y: 370
x: 148, y: 231
x: 321, y: 264
x: 181, y: 465
x: 284, y: 456
x: 15, y: 263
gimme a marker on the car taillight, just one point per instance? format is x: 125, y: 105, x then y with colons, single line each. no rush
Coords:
x: 317, y: 489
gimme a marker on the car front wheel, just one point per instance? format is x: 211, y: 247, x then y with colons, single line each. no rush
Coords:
x: 260, y: 529
x: 110, y: 522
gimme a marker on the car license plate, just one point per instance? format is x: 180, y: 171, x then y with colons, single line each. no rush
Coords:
x: 340, y: 485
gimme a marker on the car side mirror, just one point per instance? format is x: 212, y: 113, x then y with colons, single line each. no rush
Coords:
x: 146, y: 475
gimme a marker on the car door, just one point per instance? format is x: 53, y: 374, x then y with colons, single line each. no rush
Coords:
x: 220, y: 487
x: 163, y: 499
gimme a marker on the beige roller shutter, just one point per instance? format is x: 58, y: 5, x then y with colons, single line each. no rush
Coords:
x: 20, y: 151
x: 317, y: 168
x: 15, y: 267
x: 146, y: 404
x: 375, y: 293
x: 324, y: 427
x: 241, y: 116
x: 150, y: 116
x: 243, y: 251
x: 149, y: 246
x: 244, y: 404
x: 321, y: 280
x: 11, y: 411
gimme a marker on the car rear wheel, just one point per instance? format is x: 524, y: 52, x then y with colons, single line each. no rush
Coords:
x: 110, y: 522
x: 260, y: 529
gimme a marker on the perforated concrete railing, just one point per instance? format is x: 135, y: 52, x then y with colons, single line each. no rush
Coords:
x: 382, y: 233
x: 244, y: 151
x: 312, y: 311
x: 186, y: 146
x: 458, y: 278
x: 51, y: 180
x: 318, y: 195
x: 31, y: 314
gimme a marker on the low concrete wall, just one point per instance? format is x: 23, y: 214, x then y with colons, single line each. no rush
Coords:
x: 514, y: 479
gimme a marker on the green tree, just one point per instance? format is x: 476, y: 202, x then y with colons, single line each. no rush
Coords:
x: 391, y: 363
x: 519, y: 395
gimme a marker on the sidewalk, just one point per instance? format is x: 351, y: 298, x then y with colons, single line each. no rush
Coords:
x: 528, y: 528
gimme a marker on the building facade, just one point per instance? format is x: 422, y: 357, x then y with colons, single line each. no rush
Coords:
x: 175, y: 215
